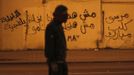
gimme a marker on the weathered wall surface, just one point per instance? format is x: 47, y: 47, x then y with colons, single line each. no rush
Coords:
x: 17, y: 17
x: 83, y: 25
x: 118, y: 25
x: 22, y: 23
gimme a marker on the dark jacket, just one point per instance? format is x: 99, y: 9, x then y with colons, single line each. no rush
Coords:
x: 55, y: 42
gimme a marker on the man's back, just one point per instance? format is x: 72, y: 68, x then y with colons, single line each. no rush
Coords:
x: 55, y: 47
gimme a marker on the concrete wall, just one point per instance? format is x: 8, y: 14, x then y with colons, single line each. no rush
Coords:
x: 16, y: 18
x: 81, y: 32
x: 22, y: 23
x: 118, y: 25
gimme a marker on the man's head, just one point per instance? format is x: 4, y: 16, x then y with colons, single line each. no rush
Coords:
x: 60, y: 13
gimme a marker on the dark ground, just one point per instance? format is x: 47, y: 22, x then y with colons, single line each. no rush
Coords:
x: 109, y: 68
x: 81, y: 62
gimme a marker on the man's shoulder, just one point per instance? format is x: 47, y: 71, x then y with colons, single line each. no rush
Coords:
x: 50, y: 26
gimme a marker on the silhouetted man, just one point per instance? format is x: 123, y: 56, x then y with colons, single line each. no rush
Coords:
x: 55, y: 43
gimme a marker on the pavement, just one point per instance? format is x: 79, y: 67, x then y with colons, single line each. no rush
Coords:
x: 80, y: 62
x: 106, y: 55
x: 107, y: 68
